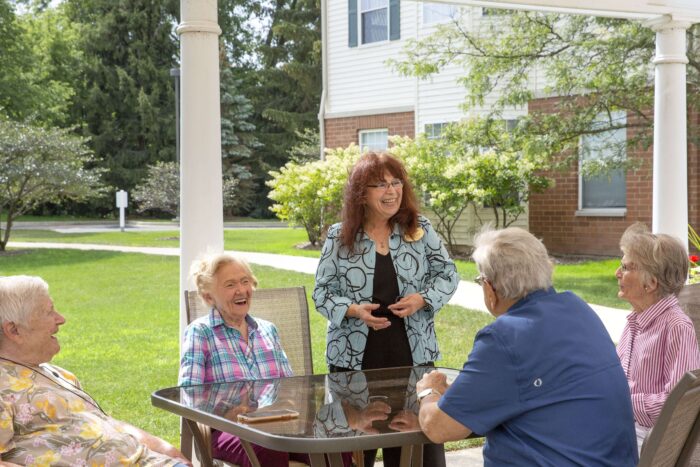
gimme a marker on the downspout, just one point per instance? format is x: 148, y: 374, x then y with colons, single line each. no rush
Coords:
x: 324, y: 80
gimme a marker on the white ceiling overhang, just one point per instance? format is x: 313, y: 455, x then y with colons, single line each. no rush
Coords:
x: 683, y: 10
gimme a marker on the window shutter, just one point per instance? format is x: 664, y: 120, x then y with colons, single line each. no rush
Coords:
x: 352, y: 23
x: 394, y: 20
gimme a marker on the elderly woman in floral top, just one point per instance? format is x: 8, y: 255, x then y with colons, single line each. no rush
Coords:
x: 45, y: 416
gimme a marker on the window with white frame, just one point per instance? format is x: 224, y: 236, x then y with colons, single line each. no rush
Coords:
x: 374, y: 16
x: 485, y: 11
x: 608, y: 191
x: 438, y: 12
x: 434, y: 130
x: 374, y: 140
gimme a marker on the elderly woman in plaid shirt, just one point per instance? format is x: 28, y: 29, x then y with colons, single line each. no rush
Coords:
x: 229, y: 344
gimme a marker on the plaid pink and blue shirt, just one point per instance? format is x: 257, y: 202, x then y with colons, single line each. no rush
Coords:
x: 215, y: 352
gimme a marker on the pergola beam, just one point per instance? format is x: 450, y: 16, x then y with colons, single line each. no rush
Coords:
x: 688, y: 10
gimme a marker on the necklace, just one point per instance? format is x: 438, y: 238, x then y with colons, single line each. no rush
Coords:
x: 56, y: 378
x: 380, y: 239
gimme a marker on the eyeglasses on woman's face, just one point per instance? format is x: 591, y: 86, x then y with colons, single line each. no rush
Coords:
x: 626, y: 267
x: 383, y: 186
x: 480, y: 279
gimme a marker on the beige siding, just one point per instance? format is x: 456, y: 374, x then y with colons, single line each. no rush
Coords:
x: 468, y: 224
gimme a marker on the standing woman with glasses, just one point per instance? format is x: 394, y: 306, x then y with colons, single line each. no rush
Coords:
x: 383, y: 275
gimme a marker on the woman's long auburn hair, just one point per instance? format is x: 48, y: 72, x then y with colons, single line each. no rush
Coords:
x: 370, y: 169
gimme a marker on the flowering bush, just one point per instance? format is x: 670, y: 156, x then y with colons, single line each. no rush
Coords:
x: 694, y: 273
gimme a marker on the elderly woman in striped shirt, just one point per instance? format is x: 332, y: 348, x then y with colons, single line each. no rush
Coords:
x: 228, y: 344
x: 658, y: 344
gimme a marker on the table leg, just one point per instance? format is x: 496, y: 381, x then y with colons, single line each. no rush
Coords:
x: 335, y: 459
x: 411, y: 455
x: 202, y: 443
x: 251, y: 454
x: 317, y: 460
x: 417, y: 455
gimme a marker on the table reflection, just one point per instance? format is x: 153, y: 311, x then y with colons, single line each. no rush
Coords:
x: 336, y: 405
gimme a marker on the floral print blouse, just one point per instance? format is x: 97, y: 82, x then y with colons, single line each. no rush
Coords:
x: 46, y: 419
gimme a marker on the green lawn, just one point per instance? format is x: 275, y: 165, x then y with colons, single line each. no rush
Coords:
x: 594, y: 281
x: 278, y: 240
x: 121, y: 334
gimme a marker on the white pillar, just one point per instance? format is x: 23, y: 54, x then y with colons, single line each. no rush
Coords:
x: 201, y: 203
x: 670, y: 189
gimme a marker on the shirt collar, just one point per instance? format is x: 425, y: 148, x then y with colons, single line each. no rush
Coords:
x: 648, y: 316
x: 216, y: 320
x: 531, y: 296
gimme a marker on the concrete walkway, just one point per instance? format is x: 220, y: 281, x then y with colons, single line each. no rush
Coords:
x: 468, y: 295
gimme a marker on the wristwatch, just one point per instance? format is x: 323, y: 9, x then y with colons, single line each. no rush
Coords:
x: 426, y: 392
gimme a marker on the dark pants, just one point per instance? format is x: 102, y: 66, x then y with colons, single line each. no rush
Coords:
x: 228, y: 447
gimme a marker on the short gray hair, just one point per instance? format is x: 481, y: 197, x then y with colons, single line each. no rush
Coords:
x: 205, y: 267
x: 513, y: 261
x: 20, y: 296
x: 660, y: 256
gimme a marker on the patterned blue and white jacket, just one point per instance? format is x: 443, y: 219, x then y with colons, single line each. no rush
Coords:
x: 342, y: 279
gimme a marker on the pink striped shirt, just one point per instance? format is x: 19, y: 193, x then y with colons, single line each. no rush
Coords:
x: 657, y: 347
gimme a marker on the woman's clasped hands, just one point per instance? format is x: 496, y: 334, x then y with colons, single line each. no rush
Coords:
x: 405, y: 306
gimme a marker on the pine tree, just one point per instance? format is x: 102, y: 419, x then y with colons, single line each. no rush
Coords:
x: 126, y: 95
x: 237, y: 141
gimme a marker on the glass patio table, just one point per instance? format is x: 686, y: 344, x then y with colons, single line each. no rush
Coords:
x: 336, y: 412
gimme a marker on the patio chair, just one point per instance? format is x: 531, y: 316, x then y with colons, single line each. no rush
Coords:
x: 689, y: 299
x: 673, y: 439
x: 288, y: 309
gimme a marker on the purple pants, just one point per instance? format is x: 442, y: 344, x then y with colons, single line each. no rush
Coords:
x: 228, y: 447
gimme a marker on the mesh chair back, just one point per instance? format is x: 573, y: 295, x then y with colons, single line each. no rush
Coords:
x: 689, y: 299
x: 287, y: 308
x: 674, y: 436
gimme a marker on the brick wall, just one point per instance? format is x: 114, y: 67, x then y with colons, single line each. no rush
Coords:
x: 340, y: 132
x: 552, y: 213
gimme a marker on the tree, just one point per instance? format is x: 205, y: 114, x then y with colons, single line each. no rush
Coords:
x: 32, y: 49
x: 125, y: 93
x: 281, y: 75
x: 41, y: 165
x: 160, y: 190
x: 597, y: 66
x: 237, y: 142
x: 475, y: 162
x: 310, y: 194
